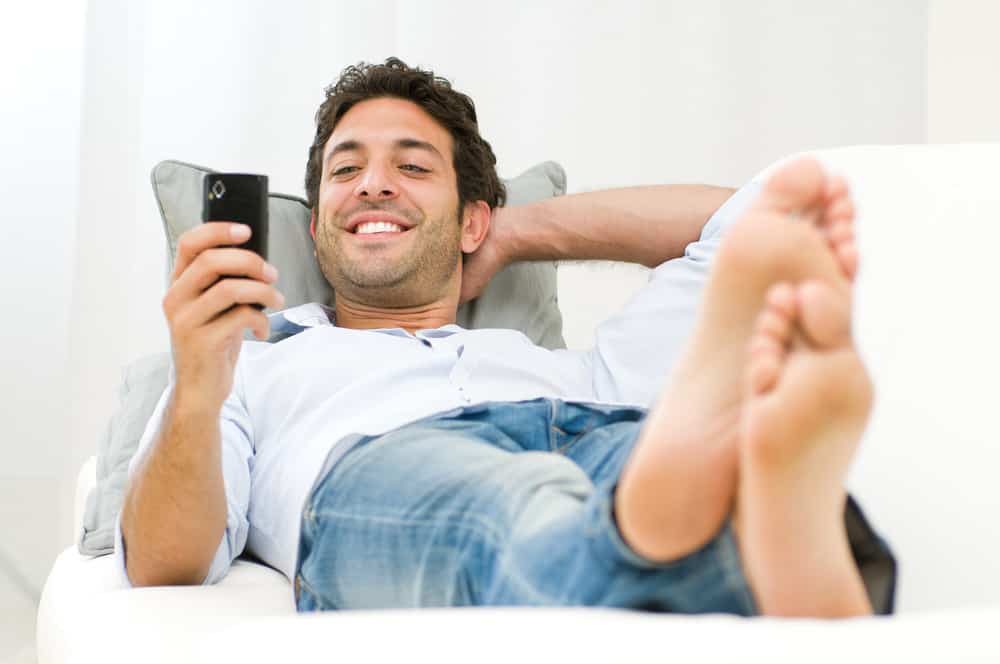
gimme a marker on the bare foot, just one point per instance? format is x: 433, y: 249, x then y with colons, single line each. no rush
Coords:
x: 837, y: 223
x: 804, y: 412
x: 831, y: 210
x: 678, y: 487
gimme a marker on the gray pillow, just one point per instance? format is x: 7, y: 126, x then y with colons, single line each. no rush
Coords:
x: 520, y: 297
x: 143, y: 382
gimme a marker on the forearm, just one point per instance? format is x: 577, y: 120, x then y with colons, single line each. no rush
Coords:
x: 174, y: 514
x: 647, y: 225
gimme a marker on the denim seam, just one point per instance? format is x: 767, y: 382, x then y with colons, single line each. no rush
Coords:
x: 482, y: 524
x: 512, y: 576
x: 478, y: 526
x: 572, y: 441
x: 305, y: 586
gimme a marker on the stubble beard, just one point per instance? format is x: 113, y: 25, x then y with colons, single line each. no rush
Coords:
x: 416, y: 278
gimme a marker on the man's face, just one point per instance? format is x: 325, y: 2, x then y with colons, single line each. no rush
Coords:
x: 388, y: 161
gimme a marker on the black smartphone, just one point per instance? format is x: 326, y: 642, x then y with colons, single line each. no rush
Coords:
x: 239, y: 197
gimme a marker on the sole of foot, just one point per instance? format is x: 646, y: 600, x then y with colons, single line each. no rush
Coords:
x: 805, y: 409
x: 678, y: 488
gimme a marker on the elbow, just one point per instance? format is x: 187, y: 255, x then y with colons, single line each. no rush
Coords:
x: 149, y: 575
x: 170, y: 569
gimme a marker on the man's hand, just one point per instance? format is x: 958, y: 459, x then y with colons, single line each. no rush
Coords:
x: 208, y: 306
x: 492, y: 255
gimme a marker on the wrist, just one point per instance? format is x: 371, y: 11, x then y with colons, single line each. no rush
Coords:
x: 194, y: 404
x: 513, y: 228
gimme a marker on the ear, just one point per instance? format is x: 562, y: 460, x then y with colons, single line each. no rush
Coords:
x: 475, y: 225
x: 312, y: 230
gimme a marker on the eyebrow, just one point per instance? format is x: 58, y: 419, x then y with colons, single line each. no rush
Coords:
x: 400, y: 144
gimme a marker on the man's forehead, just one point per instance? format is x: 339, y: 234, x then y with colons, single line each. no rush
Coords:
x: 388, y: 123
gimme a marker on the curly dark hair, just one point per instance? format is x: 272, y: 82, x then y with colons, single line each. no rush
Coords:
x: 473, y: 158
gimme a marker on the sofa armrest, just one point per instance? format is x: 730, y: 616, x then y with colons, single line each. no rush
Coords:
x: 86, y: 480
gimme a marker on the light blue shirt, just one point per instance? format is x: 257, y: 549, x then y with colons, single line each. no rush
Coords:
x: 294, y: 401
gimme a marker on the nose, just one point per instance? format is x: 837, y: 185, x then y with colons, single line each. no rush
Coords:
x: 376, y: 184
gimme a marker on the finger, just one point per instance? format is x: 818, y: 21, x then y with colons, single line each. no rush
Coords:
x: 233, y: 321
x: 212, y: 265
x: 205, y: 236
x: 225, y: 294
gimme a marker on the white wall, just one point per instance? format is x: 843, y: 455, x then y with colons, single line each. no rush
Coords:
x: 963, y: 97
x: 41, y: 79
x: 40, y: 135
x: 620, y: 93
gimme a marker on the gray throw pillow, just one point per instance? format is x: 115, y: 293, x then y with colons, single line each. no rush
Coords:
x: 520, y: 297
x: 142, y: 384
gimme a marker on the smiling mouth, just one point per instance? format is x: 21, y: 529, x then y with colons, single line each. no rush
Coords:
x: 379, y: 228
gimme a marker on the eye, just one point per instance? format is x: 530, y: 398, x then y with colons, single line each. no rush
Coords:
x: 418, y: 168
x: 339, y: 171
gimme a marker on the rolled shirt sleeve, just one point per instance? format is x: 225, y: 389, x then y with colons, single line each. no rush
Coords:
x: 636, y: 349
x: 237, y: 461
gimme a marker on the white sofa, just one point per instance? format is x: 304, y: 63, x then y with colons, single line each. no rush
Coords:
x: 927, y: 324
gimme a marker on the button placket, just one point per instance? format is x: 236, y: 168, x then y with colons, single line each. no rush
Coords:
x: 460, y: 374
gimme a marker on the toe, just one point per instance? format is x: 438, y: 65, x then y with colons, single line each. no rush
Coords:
x: 825, y: 314
x: 841, y: 231
x: 765, y: 358
x: 841, y: 210
x: 763, y: 374
x: 770, y: 339
x: 836, y: 187
x: 796, y: 186
x: 847, y: 256
x: 772, y: 324
x: 840, y: 238
x: 781, y: 298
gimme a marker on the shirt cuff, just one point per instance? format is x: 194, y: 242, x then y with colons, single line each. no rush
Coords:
x: 119, y: 554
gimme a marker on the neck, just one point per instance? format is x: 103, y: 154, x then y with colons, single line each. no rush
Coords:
x: 359, y: 316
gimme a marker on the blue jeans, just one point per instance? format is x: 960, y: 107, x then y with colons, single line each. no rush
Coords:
x: 496, y: 504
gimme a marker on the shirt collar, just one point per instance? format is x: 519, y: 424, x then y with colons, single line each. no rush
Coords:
x: 289, y: 322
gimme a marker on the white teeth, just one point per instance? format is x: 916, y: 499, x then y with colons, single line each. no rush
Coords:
x: 378, y: 227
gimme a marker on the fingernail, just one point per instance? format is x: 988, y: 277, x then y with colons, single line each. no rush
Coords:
x: 239, y: 231
x: 270, y: 272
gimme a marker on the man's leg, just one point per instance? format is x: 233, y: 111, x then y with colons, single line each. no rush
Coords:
x: 420, y: 517
x: 495, y: 506
x: 681, y: 483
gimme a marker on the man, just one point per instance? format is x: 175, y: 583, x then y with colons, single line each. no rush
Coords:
x: 482, y: 469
